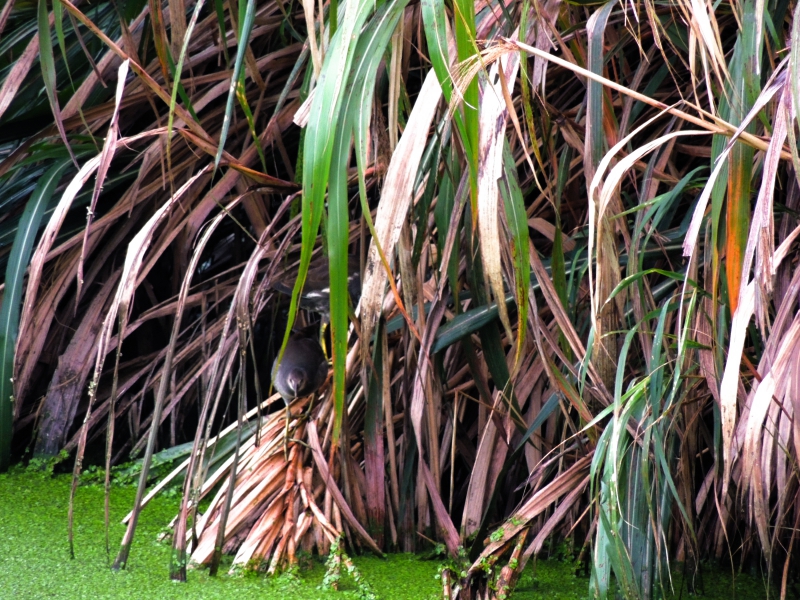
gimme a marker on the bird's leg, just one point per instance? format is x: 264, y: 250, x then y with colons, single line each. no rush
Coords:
x: 307, y: 412
x: 351, y: 314
x: 323, y: 325
x: 286, y: 434
x: 303, y: 417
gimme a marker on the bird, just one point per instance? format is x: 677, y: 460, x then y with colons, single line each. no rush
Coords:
x: 316, y: 293
x: 303, y: 368
x: 300, y: 372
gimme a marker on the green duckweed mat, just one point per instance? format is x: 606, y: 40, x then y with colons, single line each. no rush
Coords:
x: 35, y: 562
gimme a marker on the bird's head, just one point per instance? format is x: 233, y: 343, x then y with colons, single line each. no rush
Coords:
x: 296, y: 381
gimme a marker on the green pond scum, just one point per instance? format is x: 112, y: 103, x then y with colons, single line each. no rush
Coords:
x: 35, y: 562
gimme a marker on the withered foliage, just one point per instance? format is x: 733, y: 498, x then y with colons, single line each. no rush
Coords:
x: 576, y: 228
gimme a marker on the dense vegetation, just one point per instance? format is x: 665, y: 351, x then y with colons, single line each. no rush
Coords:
x: 37, y: 564
x: 586, y: 215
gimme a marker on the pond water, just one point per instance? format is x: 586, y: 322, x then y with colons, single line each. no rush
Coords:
x: 35, y: 562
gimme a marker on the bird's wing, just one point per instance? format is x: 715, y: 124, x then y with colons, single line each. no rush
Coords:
x: 322, y: 373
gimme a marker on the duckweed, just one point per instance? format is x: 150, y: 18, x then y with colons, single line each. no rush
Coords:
x: 35, y: 562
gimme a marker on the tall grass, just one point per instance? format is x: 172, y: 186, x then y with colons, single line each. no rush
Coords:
x: 578, y: 313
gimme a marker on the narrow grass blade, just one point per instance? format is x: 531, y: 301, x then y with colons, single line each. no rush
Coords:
x: 9, y: 311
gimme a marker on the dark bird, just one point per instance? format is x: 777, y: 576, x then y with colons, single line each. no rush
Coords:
x: 300, y: 373
x: 317, y: 291
x: 303, y: 368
